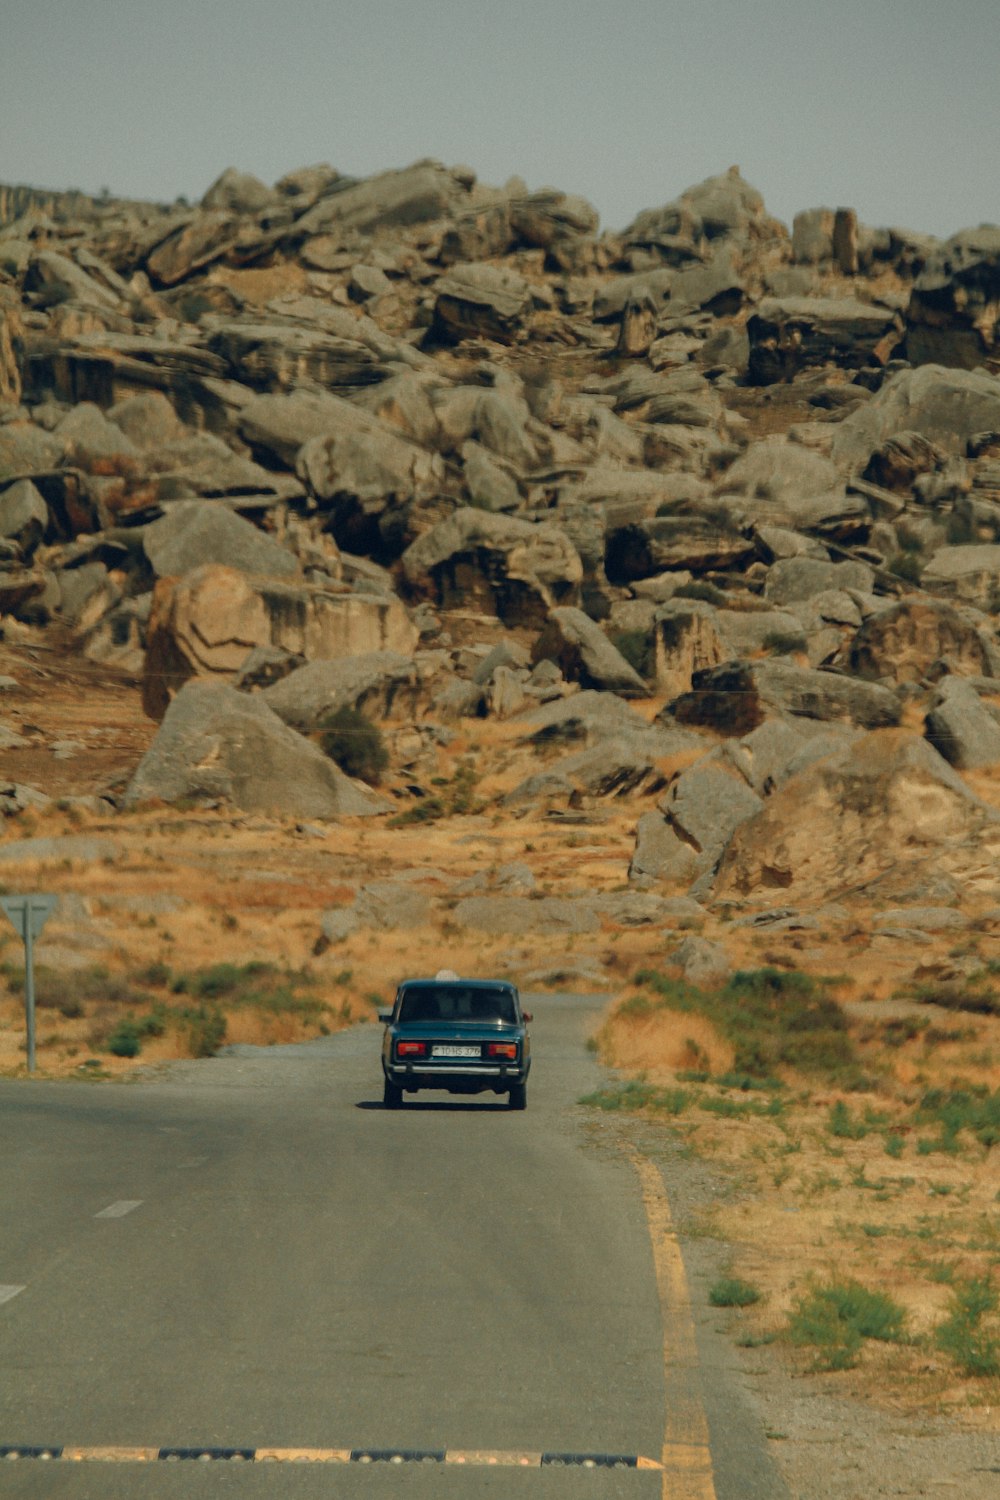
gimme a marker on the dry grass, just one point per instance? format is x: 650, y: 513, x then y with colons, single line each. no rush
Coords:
x: 859, y: 1184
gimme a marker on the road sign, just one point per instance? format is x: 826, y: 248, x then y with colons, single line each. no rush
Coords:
x: 29, y: 915
x: 25, y: 910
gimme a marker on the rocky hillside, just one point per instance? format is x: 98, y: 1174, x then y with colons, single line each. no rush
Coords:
x: 704, y: 514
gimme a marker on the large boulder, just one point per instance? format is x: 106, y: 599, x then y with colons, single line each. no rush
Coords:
x: 961, y: 727
x: 216, y: 743
x: 886, y: 805
x: 207, y: 623
x: 239, y: 193
x: 584, y: 654
x: 362, y: 471
x: 514, y: 569
x: 737, y: 696
x: 375, y: 682
x: 796, y: 333
x: 276, y: 356
x: 947, y: 407
x: 967, y: 572
x: 480, y: 301
x: 910, y: 639
x: 390, y: 200
x: 193, y: 534
x: 952, y: 315
x: 642, y: 548
x: 786, y: 484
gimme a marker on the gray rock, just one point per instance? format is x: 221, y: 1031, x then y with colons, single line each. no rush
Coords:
x: 26, y: 449
x: 217, y: 743
x: 925, y: 918
x: 945, y: 406
x: 908, y: 640
x: 643, y: 548
x: 543, y: 789
x: 238, y: 192
x: 961, y: 727
x: 517, y: 568
x: 376, y: 683
x: 762, y: 757
x: 584, y: 654
x: 966, y: 572
x: 15, y: 798
x: 148, y: 420
x: 389, y: 905
x: 76, y: 847
x: 24, y: 516
x: 88, y: 593
x: 737, y: 696
x: 793, y: 580
x: 660, y: 854
x: 339, y: 923
x: 397, y: 199
x: 518, y: 915
x: 951, y: 317
x: 480, y: 301
x: 490, y: 487
x: 785, y: 484
x: 797, y: 333
x: 701, y: 962
x: 193, y: 533
x: 886, y: 804
x: 705, y: 805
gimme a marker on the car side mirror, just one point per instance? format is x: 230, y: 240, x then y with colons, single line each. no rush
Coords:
x: 527, y: 1015
x: 385, y: 1016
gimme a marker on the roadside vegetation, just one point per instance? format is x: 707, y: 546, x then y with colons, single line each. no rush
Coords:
x: 157, y: 1013
x: 864, y: 1162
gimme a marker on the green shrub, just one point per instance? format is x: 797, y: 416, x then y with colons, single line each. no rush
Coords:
x: 206, y: 1031
x: 955, y: 1110
x: 835, y: 1320
x: 962, y: 1336
x: 732, y: 1292
x: 629, y: 1097
x: 456, y: 798
x: 772, y: 1019
x: 124, y: 1040
x: 355, y: 743
x: 842, y: 1124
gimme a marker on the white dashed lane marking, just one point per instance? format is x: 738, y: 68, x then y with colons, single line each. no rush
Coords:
x: 120, y: 1209
x: 8, y: 1293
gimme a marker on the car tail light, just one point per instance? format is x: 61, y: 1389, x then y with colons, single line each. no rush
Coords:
x: 502, y: 1049
x: 411, y: 1049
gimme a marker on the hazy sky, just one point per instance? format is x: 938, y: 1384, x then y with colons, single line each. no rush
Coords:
x: 891, y: 107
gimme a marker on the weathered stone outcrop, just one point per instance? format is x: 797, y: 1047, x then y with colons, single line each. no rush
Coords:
x: 513, y: 568
x: 888, y: 802
x: 207, y: 622
x: 217, y: 744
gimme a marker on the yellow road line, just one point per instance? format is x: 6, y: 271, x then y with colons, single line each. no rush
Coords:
x: 687, y: 1457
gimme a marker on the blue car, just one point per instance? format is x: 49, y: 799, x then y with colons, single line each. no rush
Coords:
x: 469, y: 1036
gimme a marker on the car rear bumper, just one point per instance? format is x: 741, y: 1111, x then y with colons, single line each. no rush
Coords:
x: 466, y: 1080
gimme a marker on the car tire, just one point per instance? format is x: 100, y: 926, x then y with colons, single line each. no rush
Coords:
x: 518, y: 1096
x: 392, y: 1095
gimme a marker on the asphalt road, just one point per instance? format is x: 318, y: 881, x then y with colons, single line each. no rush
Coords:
x: 250, y: 1253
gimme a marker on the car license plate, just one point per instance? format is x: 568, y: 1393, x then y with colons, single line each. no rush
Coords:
x: 456, y: 1052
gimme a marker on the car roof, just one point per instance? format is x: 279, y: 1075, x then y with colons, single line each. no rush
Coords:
x: 465, y: 984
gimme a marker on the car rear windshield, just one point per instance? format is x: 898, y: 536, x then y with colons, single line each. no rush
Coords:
x: 428, y: 1002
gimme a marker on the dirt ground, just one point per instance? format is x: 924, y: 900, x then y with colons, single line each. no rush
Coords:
x: 181, y: 890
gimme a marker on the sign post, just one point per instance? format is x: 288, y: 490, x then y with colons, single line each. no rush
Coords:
x: 28, y: 914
